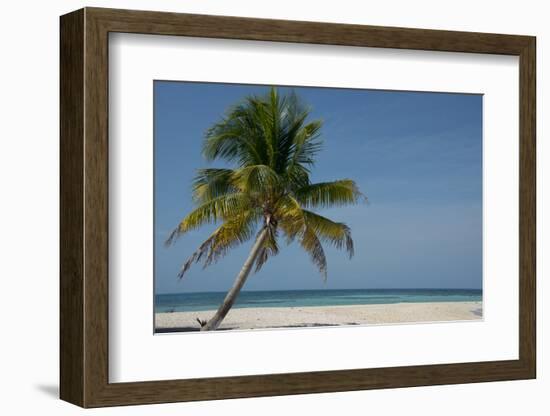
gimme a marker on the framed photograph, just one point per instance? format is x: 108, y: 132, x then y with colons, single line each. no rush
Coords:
x: 257, y: 207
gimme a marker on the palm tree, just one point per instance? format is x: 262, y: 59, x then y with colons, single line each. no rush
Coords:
x: 272, y: 147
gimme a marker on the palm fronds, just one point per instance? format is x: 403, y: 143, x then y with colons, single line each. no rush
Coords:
x: 329, y: 194
x: 223, y: 207
x: 233, y: 232
x: 272, y: 148
x: 212, y: 183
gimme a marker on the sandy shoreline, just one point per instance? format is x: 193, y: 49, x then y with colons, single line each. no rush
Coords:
x: 312, y: 316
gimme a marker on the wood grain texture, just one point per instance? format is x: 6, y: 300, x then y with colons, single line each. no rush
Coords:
x: 84, y: 207
x: 71, y: 208
x: 225, y: 27
x: 527, y: 208
x: 96, y: 207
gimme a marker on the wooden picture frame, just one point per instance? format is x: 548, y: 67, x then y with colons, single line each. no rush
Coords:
x: 84, y: 207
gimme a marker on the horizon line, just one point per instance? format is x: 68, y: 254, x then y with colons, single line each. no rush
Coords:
x: 303, y: 290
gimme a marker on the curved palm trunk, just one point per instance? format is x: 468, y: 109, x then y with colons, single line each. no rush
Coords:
x: 232, y: 294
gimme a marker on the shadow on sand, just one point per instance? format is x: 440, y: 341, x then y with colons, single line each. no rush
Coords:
x: 196, y: 329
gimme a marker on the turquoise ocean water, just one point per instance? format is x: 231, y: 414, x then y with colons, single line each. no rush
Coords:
x: 188, y: 302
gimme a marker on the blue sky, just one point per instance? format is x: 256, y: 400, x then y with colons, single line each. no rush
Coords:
x: 417, y: 157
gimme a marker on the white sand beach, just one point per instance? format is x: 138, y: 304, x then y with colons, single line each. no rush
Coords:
x: 314, y: 316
